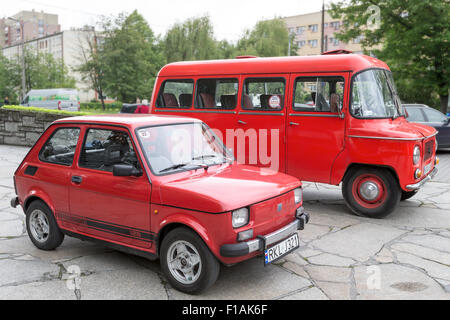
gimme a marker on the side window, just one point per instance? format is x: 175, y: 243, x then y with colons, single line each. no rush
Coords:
x: 434, y: 116
x: 263, y: 94
x: 217, y: 94
x: 415, y: 114
x: 102, y: 149
x: 176, y: 94
x: 60, y: 148
x: 318, y: 94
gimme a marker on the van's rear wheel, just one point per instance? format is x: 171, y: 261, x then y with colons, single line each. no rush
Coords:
x: 371, y: 192
x: 408, y: 194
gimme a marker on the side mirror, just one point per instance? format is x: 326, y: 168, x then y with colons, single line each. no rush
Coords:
x: 125, y: 170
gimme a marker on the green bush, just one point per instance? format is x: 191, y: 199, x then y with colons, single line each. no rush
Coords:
x: 90, y: 106
x: 52, y: 111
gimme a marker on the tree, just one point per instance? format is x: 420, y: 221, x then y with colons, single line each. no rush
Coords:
x: 91, y: 62
x: 415, y: 37
x: 191, y: 40
x: 131, y: 57
x: 10, y: 80
x: 269, y: 38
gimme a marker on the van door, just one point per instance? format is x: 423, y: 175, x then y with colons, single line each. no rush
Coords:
x: 260, y: 124
x: 315, y: 129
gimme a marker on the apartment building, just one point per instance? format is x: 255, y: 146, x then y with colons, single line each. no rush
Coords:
x: 307, y: 29
x: 35, y: 25
x: 66, y: 46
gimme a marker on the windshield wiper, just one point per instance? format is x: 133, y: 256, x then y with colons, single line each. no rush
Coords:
x: 174, y: 167
x: 206, y: 156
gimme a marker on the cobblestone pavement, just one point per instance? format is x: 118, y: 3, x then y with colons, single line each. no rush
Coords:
x: 405, y: 256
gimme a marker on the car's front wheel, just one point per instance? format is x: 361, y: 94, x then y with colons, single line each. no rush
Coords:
x: 42, y: 227
x: 187, y: 262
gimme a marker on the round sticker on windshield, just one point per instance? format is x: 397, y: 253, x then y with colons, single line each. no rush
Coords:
x: 275, y: 102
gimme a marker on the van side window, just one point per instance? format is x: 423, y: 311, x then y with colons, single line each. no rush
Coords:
x: 318, y: 94
x: 216, y: 94
x: 176, y: 94
x: 103, y: 149
x: 263, y: 94
x: 60, y: 148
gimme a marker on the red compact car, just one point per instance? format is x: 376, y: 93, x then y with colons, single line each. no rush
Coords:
x: 156, y: 186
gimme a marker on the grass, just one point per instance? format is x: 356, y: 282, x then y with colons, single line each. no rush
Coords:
x: 58, y: 112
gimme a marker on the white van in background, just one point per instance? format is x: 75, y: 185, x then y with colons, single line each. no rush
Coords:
x: 58, y: 99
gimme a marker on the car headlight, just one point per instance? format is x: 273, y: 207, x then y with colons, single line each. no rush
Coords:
x: 240, y: 217
x: 416, y: 155
x: 298, y: 193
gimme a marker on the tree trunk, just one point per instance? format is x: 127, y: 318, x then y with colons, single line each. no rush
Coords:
x: 102, y: 100
x: 444, y: 104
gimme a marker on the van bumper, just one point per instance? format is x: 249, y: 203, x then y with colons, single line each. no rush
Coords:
x: 262, y: 242
x: 419, y: 184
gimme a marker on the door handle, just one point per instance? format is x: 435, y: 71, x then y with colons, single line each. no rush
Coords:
x: 242, y: 122
x: 294, y: 123
x: 77, y: 179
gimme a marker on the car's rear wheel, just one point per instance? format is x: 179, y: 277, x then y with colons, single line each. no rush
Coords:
x: 187, y: 262
x: 408, y: 194
x: 371, y: 192
x: 42, y: 227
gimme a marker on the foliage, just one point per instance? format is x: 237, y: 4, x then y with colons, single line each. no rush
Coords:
x: 42, y: 110
x: 415, y: 39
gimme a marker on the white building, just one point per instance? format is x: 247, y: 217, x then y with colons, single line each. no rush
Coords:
x: 67, y: 46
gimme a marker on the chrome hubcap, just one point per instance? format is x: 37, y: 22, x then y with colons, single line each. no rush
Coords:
x: 184, y: 262
x: 369, y: 191
x: 39, y: 225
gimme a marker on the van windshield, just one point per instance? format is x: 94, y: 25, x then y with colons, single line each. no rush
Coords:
x: 374, y: 95
x: 173, y: 148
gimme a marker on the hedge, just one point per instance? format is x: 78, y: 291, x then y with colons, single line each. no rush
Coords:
x: 116, y: 106
x: 42, y: 110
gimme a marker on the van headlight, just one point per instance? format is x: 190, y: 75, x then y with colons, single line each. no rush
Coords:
x: 416, y: 155
x: 240, y: 217
x: 298, y: 193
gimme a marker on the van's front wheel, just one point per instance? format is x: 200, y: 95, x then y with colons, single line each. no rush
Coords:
x: 371, y: 192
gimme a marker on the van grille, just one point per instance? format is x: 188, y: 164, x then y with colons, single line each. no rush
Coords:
x: 428, y: 152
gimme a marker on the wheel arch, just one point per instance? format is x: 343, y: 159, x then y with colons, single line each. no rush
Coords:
x: 354, y: 166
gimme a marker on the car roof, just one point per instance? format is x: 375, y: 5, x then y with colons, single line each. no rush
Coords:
x: 415, y: 105
x: 131, y: 121
x: 252, y: 65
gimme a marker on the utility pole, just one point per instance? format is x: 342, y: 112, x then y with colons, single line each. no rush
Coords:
x: 322, y: 28
x: 22, y: 33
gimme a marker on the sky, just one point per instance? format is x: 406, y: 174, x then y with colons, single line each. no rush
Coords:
x: 230, y: 17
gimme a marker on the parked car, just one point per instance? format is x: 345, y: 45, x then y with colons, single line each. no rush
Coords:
x: 159, y: 187
x: 423, y: 114
x: 336, y: 118
x: 58, y: 99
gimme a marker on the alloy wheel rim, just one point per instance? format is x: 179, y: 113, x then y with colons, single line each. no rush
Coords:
x: 184, y: 262
x: 39, y: 226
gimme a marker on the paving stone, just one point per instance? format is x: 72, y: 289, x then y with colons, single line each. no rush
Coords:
x: 313, y: 231
x: 396, y: 282
x: 296, y: 258
x: 331, y: 260
x: 431, y: 241
x: 426, y: 253
x: 47, y: 290
x: 308, y: 252
x: 5, y: 216
x: 358, y: 242
x: 11, y: 228
x: 19, y: 272
x: 384, y: 256
x: 434, y: 269
x: 335, y: 291
x: 308, y: 294
x: 297, y: 269
x: 326, y: 273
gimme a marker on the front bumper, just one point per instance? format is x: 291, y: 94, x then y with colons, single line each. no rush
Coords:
x: 262, y: 242
x: 419, y: 184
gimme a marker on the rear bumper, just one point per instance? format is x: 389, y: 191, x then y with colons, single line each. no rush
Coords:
x: 419, y: 184
x: 243, y: 248
x: 14, y: 202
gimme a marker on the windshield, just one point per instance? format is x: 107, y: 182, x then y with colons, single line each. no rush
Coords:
x: 374, y: 95
x: 173, y: 148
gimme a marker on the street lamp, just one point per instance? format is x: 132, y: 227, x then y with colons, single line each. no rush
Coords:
x: 22, y: 36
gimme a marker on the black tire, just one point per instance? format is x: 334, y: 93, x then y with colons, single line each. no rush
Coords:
x: 389, y: 198
x: 210, y: 267
x: 54, y: 237
x: 408, y: 194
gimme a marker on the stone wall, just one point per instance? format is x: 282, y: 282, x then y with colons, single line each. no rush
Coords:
x: 23, y: 128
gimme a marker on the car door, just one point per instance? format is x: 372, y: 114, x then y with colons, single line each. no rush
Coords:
x: 315, y: 129
x: 103, y: 205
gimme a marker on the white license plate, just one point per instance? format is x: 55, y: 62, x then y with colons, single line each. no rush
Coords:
x: 281, y: 249
x: 427, y: 169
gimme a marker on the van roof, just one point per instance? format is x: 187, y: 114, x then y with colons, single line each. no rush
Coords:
x: 300, y: 64
x: 51, y: 90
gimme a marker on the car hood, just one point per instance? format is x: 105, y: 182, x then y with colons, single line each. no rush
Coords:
x: 399, y: 128
x: 225, y: 188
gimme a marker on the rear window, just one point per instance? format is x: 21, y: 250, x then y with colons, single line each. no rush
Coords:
x: 217, y: 94
x: 263, y: 94
x: 176, y: 94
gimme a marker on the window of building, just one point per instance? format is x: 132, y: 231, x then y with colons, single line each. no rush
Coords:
x: 264, y: 94
x: 216, y: 94
x: 176, y: 94
x: 313, y: 27
x: 301, y: 43
x: 102, y: 149
x: 313, y: 43
x: 60, y: 148
x: 300, y: 30
x: 318, y: 94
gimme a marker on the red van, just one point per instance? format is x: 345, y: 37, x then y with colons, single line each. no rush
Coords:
x: 159, y: 187
x: 331, y: 118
